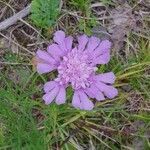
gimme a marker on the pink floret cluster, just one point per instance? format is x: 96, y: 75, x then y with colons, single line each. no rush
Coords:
x: 76, y: 66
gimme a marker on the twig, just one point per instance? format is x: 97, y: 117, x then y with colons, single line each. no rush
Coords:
x: 15, y: 63
x: 10, y: 21
x: 17, y: 44
x: 5, y: 8
x: 32, y: 27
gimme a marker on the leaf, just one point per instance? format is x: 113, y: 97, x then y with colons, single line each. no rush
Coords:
x: 44, y: 13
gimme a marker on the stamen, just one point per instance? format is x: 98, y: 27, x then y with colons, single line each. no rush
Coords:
x: 75, y: 69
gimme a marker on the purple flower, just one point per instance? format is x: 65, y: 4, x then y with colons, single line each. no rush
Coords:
x: 77, y: 67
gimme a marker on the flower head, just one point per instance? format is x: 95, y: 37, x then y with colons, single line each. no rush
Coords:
x: 77, y: 66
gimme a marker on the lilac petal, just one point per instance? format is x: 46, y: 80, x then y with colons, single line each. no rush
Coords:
x: 106, y: 77
x: 100, y: 96
x: 68, y: 42
x: 76, y: 100
x: 105, y: 45
x: 93, y: 43
x: 45, y: 57
x: 44, y: 68
x: 102, y: 59
x: 101, y: 55
x: 108, y: 90
x: 102, y: 49
x: 82, y: 41
x: 92, y: 91
x: 48, y: 86
x: 86, y: 103
x: 95, y: 93
x: 89, y: 93
x: 111, y: 92
x: 59, y: 36
x: 61, y: 97
x: 49, y: 97
x: 55, y: 51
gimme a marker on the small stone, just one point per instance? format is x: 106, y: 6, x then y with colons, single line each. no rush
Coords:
x: 127, y: 88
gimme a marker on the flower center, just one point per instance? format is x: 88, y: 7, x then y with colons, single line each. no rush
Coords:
x: 75, y: 69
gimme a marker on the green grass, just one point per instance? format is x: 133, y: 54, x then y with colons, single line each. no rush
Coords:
x: 27, y: 123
